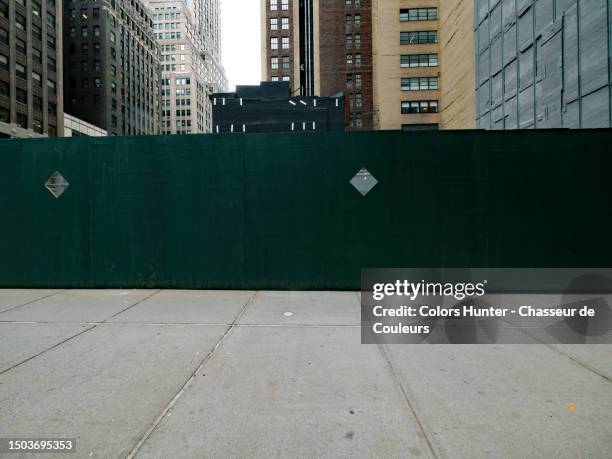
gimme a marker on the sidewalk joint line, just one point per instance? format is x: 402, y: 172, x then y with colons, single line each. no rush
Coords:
x: 96, y: 324
x: 190, y: 379
x: 34, y: 301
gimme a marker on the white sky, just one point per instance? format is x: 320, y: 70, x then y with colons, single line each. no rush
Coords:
x: 241, y: 41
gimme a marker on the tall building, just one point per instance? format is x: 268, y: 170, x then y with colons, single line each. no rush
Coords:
x: 402, y: 64
x: 544, y: 64
x: 269, y: 107
x: 407, y: 64
x: 30, y: 68
x: 189, y: 37
x: 111, y: 66
x: 321, y: 48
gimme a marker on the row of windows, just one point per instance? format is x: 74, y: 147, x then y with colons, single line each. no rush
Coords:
x: 283, y: 78
x: 356, y: 100
x: 418, y: 14
x: 418, y: 60
x: 419, y: 106
x: 353, y: 59
x: 353, y: 78
x: 419, y: 84
x: 351, y: 3
x: 274, y: 62
x: 274, y: 5
x: 274, y: 23
x: 20, y: 44
x: 356, y: 39
x: 22, y: 120
x: 418, y: 38
x: 22, y: 96
x: 166, y: 16
x: 21, y: 71
x: 274, y: 43
x: 350, y: 20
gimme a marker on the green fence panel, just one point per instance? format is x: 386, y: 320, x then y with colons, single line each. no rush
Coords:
x: 263, y: 211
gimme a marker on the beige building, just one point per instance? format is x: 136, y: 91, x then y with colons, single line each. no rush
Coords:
x: 423, y: 54
x: 188, y: 34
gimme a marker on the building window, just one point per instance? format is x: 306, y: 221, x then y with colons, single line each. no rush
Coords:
x: 358, y: 100
x: 4, y: 112
x: 349, y: 41
x: 357, y: 20
x: 419, y: 84
x: 285, y: 62
x: 50, y: 41
x: 349, y: 59
x: 20, y: 45
x: 4, y: 36
x: 4, y: 10
x: 418, y: 60
x: 36, y: 79
x: 273, y: 23
x: 273, y: 5
x: 422, y: 106
x: 285, y: 23
x: 20, y: 21
x: 357, y: 40
x: 418, y: 14
x: 84, y: 31
x: 274, y: 78
x: 358, y: 60
x: 274, y: 63
x: 4, y: 88
x: 349, y: 80
x: 51, y: 64
x: 20, y: 70
x: 50, y: 20
x: 21, y: 95
x: 96, y: 31
x: 285, y: 42
x: 418, y: 38
x: 22, y: 120
x: 36, y: 55
x: 36, y: 32
x: 285, y: 4
x: 358, y: 80
x: 37, y: 102
x: 36, y: 9
x: 3, y: 62
x: 274, y: 43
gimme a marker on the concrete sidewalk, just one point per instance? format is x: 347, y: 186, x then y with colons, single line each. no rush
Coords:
x: 281, y: 374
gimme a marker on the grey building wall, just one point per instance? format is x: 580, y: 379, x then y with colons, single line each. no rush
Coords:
x: 543, y: 64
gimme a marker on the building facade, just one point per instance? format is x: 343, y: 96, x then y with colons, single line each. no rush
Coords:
x: 111, y: 66
x: 322, y: 48
x: 407, y: 64
x: 31, y: 102
x: 189, y: 38
x: 270, y: 107
x: 543, y: 64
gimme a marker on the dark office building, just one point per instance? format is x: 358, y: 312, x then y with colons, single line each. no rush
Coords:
x: 111, y: 73
x: 544, y: 64
x: 270, y: 108
x: 30, y: 68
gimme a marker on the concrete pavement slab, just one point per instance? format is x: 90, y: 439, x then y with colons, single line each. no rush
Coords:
x: 506, y: 401
x: 105, y: 387
x: 595, y: 356
x: 77, y: 306
x: 10, y: 298
x: 187, y: 306
x: 21, y: 341
x: 290, y: 392
x: 303, y: 308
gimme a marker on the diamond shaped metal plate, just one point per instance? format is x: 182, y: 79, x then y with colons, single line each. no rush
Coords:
x: 364, y: 181
x: 56, y: 184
